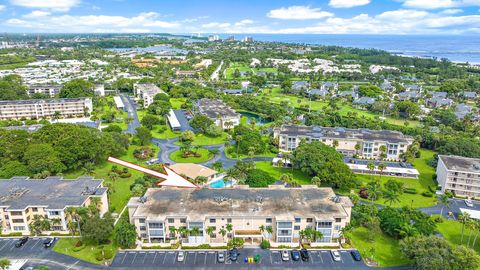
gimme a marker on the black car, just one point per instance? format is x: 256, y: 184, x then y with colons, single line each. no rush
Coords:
x: 356, y: 255
x: 48, y: 242
x: 304, y: 254
x: 20, y: 242
x: 234, y: 254
x: 295, y: 255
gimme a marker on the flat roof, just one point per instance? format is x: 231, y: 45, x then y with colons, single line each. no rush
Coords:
x: 214, y: 108
x: 118, y: 102
x: 40, y: 101
x: 53, y: 192
x: 172, y: 119
x: 458, y: 163
x: 192, y: 170
x: 241, y: 201
x: 344, y: 133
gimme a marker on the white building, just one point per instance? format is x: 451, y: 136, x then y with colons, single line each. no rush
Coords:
x: 45, y: 108
x: 45, y: 89
x: 119, y: 103
x: 220, y: 113
x: 146, y: 92
x: 459, y: 175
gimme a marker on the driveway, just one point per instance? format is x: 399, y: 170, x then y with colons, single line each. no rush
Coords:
x: 131, y: 107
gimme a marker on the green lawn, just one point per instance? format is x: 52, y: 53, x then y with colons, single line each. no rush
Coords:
x: 275, y: 172
x: 66, y: 245
x: 167, y: 134
x: 205, y: 155
x: 241, y: 156
x: 275, y: 96
x: 177, y: 102
x: 452, y: 232
x: 201, y: 139
x: 421, y: 184
x: 121, y: 193
x: 242, y: 67
x: 386, y: 251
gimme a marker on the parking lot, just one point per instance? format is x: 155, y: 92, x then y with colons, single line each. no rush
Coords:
x: 7, y: 246
x: 150, y: 259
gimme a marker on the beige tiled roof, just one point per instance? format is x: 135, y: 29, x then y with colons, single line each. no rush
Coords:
x: 192, y: 170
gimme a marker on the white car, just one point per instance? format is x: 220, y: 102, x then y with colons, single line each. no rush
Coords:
x: 336, y: 255
x: 285, y: 256
x: 181, y: 256
x: 469, y: 202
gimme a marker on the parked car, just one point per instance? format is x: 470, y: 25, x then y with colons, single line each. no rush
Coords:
x: 220, y: 257
x: 20, y: 242
x: 305, y: 255
x: 285, y: 256
x: 234, y: 254
x: 336, y: 255
x: 295, y: 255
x: 48, y: 242
x: 181, y: 256
x: 469, y: 202
x: 356, y: 255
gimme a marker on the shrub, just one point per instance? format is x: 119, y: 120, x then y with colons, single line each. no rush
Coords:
x: 427, y: 194
x: 78, y: 243
x: 363, y: 193
x: 108, y: 254
x: 265, y: 244
x: 99, y: 256
x: 162, y: 129
x: 410, y: 191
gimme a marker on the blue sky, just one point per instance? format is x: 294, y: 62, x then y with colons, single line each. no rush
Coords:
x: 247, y: 16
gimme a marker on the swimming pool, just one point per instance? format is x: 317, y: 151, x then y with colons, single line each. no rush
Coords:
x: 222, y: 184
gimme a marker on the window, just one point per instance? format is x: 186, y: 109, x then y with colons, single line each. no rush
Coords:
x: 16, y: 213
x: 324, y: 224
x: 229, y: 220
x: 212, y: 220
x: 17, y: 220
x: 338, y: 220
x: 297, y: 220
x: 141, y: 220
x: 183, y: 220
x: 54, y: 213
x: 18, y: 228
x: 268, y: 220
x: 171, y: 220
x: 296, y: 227
x: 337, y: 227
x: 143, y: 228
x: 309, y: 219
x: 143, y: 235
x: 155, y: 225
x: 35, y: 209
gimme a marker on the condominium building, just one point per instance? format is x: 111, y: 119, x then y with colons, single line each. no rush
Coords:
x: 459, y: 175
x: 45, y: 108
x: 146, y: 92
x: 220, y: 113
x: 345, y: 140
x: 21, y: 199
x: 45, y: 89
x: 276, y: 213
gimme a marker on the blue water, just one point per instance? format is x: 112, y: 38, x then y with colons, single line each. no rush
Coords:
x: 218, y: 184
x: 456, y: 48
x: 258, y: 119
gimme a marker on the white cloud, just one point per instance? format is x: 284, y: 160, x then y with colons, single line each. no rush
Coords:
x: 451, y: 11
x: 93, y: 23
x: 437, y: 4
x: 55, y: 5
x: 36, y: 14
x: 348, y: 3
x: 216, y: 25
x: 2, y: 7
x: 298, y: 13
x: 244, y: 22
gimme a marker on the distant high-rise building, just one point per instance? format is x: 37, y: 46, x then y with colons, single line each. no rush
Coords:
x: 213, y: 38
x: 248, y: 39
x: 231, y: 38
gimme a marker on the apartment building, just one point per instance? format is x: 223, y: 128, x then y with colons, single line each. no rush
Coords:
x: 22, y: 198
x: 276, y: 213
x: 459, y: 175
x: 146, y: 92
x: 45, y: 108
x: 220, y: 113
x: 345, y: 139
x: 45, y: 89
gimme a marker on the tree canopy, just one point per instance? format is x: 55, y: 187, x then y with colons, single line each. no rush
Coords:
x: 77, y: 88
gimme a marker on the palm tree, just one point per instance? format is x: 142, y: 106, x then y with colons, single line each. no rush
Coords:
x: 381, y: 167
x: 56, y: 115
x: 285, y: 178
x: 173, y: 231
x: 195, y: 231
x: 391, y: 196
x: 374, y: 190
x: 210, y: 230
x: 463, y: 218
x: 472, y: 226
x: 357, y: 148
x: 445, y: 201
x: 229, y: 227
x: 407, y: 230
x: 183, y: 231
x: 280, y: 163
x: 477, y: 221
x: 269, y: 230
x: 262, y: 229
x: 383, y: 151
x: 335, y: 144
x: 316, y: 181
x: 371, y: 167
x: 223, y: 232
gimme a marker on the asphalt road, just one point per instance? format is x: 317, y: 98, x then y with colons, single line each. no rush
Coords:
x: 131, y: 107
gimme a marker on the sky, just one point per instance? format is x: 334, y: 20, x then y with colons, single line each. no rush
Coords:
x: 397, y: 17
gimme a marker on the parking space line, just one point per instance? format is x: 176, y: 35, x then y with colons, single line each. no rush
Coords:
x: 320, y: 255
x: 72, y: 265
x: 35, y: 244
x: 205, y: 261
x: 6, y: 244
x: 134, y: 257
x: 124, y: 257
x: 155, y: 257
x: 271, y: 261
x: 144, y: 257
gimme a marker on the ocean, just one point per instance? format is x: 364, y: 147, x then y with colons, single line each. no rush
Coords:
x: 456, y: 48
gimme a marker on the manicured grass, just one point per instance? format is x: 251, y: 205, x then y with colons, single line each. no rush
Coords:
x: 205, y: 155
x: 386, y: 250
x: 167, y: 134
x: 201, y: 139
x: 275, y: 96
x: 452, y: 232
x: 119, y: 196
x: 421, y: 184
x: 242, y: 67
x: 298, y: 176
x: 66, y: 245
x: 240, y: 157
x: 177, y: 102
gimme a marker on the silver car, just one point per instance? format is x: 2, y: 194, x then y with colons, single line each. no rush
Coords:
x: 220, y: 257
x: 336, y: 255
x: 285, y: 255
x: 181, y: 256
